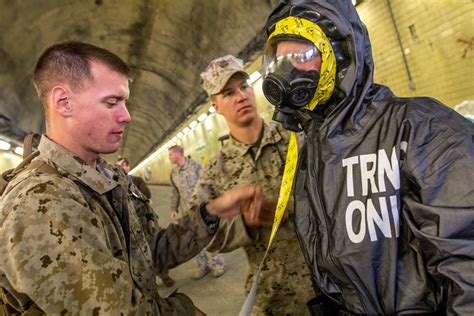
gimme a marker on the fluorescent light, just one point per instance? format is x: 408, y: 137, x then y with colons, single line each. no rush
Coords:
x: 254, y: 77
x: 174, y: 139
x: 144, y: 162
x: 193, y: 124
x: 202, y: 117
x: 19, y: 151
x: 180, y: 135
x: 4, y: 145
x: 212, y: 109
x: 186, y: 130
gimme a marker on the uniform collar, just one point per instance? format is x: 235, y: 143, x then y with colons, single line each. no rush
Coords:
x: 233, y: 148
x: 73, y: 167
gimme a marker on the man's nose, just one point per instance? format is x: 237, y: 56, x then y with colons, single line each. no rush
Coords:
x: 241, y: 95
x: 123, y: 115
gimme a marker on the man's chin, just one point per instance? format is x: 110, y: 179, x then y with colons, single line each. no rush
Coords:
x: 247, y: 120
x: 110, y: 149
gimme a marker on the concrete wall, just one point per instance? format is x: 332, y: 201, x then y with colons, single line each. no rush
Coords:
x: 438, y: 41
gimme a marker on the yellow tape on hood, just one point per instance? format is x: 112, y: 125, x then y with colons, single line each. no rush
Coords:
x: 313, y: 33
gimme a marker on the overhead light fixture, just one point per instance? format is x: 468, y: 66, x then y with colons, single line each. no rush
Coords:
x: 4, y: 145
x: 212, y: 109
x: 193, y: 124
x: 254, y: 77
x: 19, y: 150
x: 144, y: 162
x: 174, y: 139
x: 180, y: 135
x: 202, y: 117
x: 186, y: 130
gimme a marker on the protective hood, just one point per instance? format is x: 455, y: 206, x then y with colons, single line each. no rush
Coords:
x: 348, y: 36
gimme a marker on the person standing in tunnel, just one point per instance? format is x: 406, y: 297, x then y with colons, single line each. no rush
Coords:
x: 150, y: 219
x: 383, y: 193
x: 71, y: 241
x: 184, y: 178
x: 253, y: 154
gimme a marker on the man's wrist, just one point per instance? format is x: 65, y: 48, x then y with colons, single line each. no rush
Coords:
x: 210, y: 220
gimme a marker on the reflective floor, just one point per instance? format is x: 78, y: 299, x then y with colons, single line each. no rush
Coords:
x: 215, y: 296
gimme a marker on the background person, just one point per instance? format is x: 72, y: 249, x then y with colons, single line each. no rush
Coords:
x: 184, y: 178
x: 384, y: 195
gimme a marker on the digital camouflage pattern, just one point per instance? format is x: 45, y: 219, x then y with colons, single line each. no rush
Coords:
x: 285, y: 282
x: 183, y: 180
x: 219, y: 71
x: 65, y: 249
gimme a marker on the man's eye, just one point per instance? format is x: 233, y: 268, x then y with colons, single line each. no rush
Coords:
x: 111, y: 104
x: 228, y: 93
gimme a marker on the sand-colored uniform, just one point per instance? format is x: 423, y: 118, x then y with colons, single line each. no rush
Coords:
x: 183, y: 180
x: 71, y: 242
x: 285, y: 282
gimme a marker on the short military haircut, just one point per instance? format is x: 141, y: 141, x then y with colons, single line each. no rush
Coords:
x: 176, y: 148
x: 70, y: 62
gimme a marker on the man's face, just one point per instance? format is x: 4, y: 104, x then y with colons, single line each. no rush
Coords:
x: 295, y: 48
x: 174, y: 156
x: 125, y: 166
x: 236, y: 102
x: 99, y: 113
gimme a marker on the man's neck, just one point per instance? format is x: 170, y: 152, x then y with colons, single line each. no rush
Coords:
x: 88, y: 158
x: 247, y: 134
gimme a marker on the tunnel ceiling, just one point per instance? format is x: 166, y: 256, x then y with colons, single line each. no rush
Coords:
x: 166, y: 42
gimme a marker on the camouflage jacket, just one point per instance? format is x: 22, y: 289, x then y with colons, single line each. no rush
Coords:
x: 183, y: 180
x: 72, y: 242
x: 285, y: 284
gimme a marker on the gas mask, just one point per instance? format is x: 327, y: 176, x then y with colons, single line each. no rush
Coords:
x: 299, y: 69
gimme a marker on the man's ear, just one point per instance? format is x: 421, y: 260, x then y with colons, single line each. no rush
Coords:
x: 60, y: 101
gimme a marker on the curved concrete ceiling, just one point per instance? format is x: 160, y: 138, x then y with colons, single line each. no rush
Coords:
x: 167, y: 43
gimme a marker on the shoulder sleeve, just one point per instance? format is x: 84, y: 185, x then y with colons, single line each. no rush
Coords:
x: 231, y: 233
x: 55, y: 250
x: 55, y: 239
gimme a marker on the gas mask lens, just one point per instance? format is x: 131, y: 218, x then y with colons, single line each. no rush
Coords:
x: 291, y: 72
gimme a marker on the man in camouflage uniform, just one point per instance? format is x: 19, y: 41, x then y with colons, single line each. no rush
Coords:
x: 184, y: 178
x: 254, y: 154
x: 71, y: 241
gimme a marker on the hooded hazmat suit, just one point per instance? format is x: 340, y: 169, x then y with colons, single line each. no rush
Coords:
x: 384, y: 192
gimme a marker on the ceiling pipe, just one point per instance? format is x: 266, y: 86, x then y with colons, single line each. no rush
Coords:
x: 411, y: 83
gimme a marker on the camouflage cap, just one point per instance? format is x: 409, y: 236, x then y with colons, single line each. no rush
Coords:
x: 219, y: 71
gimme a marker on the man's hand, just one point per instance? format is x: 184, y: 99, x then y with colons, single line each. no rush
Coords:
x: 236, y: 201
x: 262, y: 216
